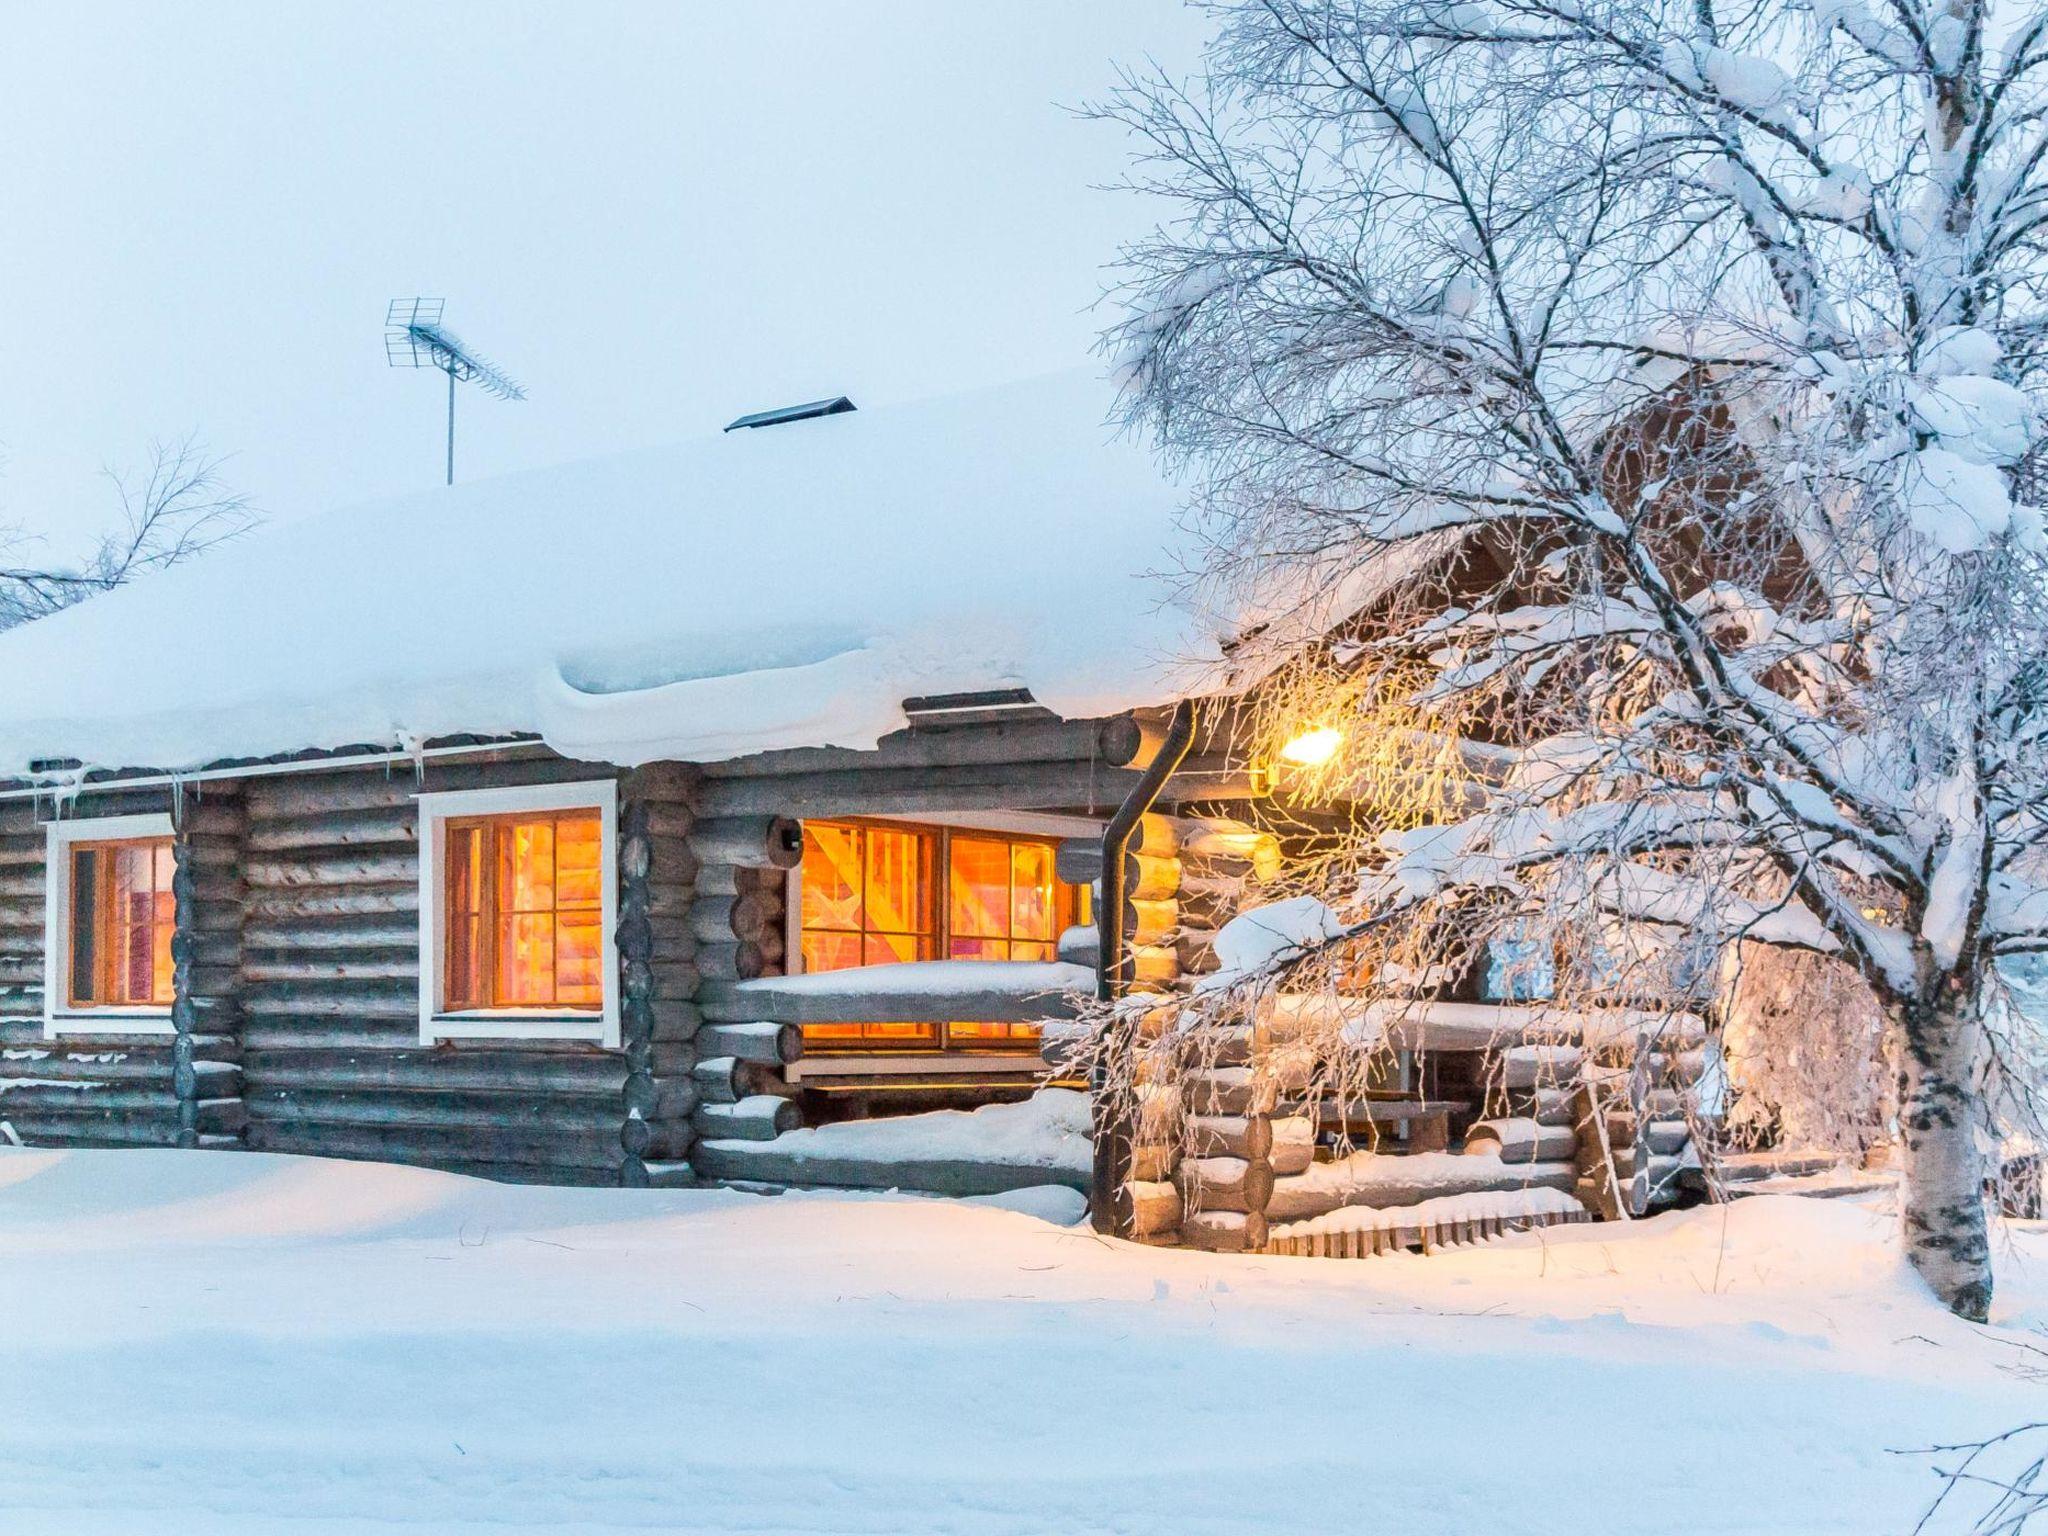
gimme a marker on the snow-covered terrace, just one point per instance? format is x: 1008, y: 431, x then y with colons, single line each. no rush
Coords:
x: 788, y: 586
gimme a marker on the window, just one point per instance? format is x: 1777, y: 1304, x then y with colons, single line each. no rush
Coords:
x: 873, y: 894
x: 517, y: 904
x: 108, y: 925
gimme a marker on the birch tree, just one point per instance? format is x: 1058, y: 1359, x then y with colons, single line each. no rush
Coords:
x: 1696, y: 343
x: 177, y: 506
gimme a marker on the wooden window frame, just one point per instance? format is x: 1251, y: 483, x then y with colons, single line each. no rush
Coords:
x: 938, y: 901
x: 60, y: 1016
x: 438, y: 809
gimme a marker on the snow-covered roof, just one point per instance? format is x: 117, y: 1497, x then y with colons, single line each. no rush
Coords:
x: 783, y: 587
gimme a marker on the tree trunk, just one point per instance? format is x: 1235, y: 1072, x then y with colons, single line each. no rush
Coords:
x: 1942, y: 1190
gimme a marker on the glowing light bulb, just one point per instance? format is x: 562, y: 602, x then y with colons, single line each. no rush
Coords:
x: 1311, y: 748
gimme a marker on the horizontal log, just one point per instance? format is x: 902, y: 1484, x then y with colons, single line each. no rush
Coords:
x: 1155, y: 1208
x: 392, y: 998
x: 758, y: 840
x: 587, y: 1074
x: 445, y: 1107
x: 82, y: 1128
x: 1224, y: 1231
x: 1667, y: 1137
x: 1216, y: 842
x: 669, y: 819
x: 733, y: 960
x: 1521, y: 1140
x: 1230, y: 1091
x: 1294, y: 1144
x: 1530, y: 1066
x: 340, y: 869
x: 1154, y: 1161
x: 739, y: 879
x: 1245, y: 1136
x: 780, y: 1163
x: 1116, y: 741
x: 769, y: 1044
x: 551, y: 1151
x: 1080, y: 945
x: 339, y: 966
x: 335, y: 830
x: 722, y: 919
x: 391, y: 899
x: 1008, y: 787
x: 883, y: 999
x: 1395, y: 1179
x: 727, y: 1080
x: 762, y: 1117
x: 1224, y: 1183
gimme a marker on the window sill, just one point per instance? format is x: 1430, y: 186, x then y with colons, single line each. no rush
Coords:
x: 594, y: 1029
x: 110, y: 1021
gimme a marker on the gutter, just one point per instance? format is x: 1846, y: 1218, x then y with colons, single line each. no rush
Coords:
x: 64, y: 787
x: 1110, y: 1212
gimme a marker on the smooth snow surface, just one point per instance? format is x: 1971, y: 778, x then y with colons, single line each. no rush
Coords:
x: 782, y: 587
x: 1048, y: 1130
x: 234, y: 1344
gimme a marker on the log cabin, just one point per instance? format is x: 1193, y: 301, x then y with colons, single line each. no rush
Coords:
x: 604, y: 824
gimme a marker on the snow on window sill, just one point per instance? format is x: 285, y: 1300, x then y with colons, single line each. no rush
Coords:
x: 109, y: 1021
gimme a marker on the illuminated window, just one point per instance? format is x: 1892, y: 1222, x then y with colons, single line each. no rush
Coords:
x: 873, y: 894
x: 518, y: 906
x: 109, y: 920
x: 122, y: 918
x: 524, y: 912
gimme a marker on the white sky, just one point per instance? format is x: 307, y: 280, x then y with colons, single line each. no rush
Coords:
x: 656, y: 216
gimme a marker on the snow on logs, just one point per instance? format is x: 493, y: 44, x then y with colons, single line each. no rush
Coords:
x: 999, y: 991
x: 760, y: 1117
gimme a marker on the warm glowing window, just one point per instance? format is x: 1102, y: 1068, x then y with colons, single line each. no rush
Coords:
x: 1002, y: 900
x: 524, y: 911
x: 874, y: 893
x: 121, y: 918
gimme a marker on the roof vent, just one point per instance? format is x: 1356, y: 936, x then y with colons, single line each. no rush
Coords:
x: 989, y: 707
x: 836, y: 406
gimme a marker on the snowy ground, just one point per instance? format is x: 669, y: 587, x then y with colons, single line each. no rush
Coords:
x: 227, y: 1344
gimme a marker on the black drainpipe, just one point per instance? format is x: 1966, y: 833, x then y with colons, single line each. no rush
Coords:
x: 1110, y: 1214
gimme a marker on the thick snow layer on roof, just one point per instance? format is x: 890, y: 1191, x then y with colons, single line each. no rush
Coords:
x: 782, y: 587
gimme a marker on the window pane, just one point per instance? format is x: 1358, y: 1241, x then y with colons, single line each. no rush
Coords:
x: 896, y: 882
x: 978, y: 949
x: 526, y: 866
x: 979, y: 886
x: 123, y: 916
x: 577, y: 956
x: 831, y: 951
x: 579, y: 861
x: 831, y: 878
x: 1032, y: 906
x: 86, y: 874
x: 888, y: 948
x: 526, y: 960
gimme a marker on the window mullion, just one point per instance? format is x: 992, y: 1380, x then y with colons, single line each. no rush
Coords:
x: 487, y: 914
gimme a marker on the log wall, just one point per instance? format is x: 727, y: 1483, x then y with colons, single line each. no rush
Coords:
x: 109, y: 1089
x: 329, y: 992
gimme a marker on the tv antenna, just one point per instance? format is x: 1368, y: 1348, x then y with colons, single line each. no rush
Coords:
x: 414, y: 338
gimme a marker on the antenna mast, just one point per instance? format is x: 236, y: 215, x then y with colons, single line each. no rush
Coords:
x: 415, y: 338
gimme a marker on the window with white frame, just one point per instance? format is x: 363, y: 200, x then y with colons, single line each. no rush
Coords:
x: 518, y: 904
x: 109, y: 916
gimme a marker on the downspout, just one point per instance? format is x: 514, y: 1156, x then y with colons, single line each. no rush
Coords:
x: 1112, y: 1167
